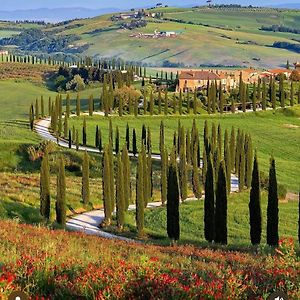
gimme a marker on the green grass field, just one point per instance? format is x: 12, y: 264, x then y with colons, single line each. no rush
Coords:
x: 15, y: 99
x: 215, y: 36
x: 272, y: 133
x: 192, y: 228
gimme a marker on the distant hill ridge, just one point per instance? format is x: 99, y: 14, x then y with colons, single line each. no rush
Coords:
x: 54, y: 15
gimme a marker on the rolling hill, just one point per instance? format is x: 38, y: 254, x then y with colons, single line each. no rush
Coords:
x: 204, y: 37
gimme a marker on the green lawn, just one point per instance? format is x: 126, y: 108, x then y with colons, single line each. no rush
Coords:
x: 192, y: 227
x: 272, y: 133
x: 15, y: 100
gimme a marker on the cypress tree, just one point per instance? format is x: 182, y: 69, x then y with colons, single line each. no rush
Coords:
x: 84, y: 132
x: 254, y: 97
x: 183, y: 173
x: 60, y: 205
x: 85, y: 191
x: 145, y: 103
x: 164, y: 175
x: 161, y: 137
x: 120, y: 196
x: 221, y: 207
x: 209, y: 202
x: 97, y: 137
x: 145, y: 176
x: 117, y: 145
x: 140, y: 196
x: 249, y: 160
x: 151, y: 104
x: 254, y: 205
x: 281, y: 91
x: 166, y: 103
x: 149, y: 143
x: 292, y: 95
x: 127, y: 177
x: 188, y: 147
x: 45, y: 187
x: 100, y: 141
x: 49, y: 106
x: 173, y: 228
x: 195, y: 102
x: 110, y: 132
x: 77, y: 105
x: 272, y: 209
x: 70, y: 139
x: 195, y: 175
x: 188, y: 102
x: 228, y: 163
x: 112, y: 170
x: 159, y: 101
x: 106, y: 186
x: 180, y: 102
x: 221, y: 99
x: 144, y: 135
x: 242, y: 164
x: 121, y: 106
x: 134, y: 145
x: 31, y: 117
x: 273, y: 94
x: 127, y: 137
x: 264, y: 96
x: 77, y: 140
x: 66, y: 127
x: 68, y: 110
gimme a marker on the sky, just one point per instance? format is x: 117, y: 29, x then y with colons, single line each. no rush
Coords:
x: 96, y: 4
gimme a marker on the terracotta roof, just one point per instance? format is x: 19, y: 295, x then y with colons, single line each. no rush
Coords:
x: 279, y: 71
x: 199, y: 75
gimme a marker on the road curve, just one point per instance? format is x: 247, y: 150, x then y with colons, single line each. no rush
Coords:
x: 88, y: 222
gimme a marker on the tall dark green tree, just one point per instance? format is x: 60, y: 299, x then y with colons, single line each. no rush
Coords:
x: 60, y: 205
x: 127, y: 176
x: 254, y: 205
x: 196, y: 175
x: 140, y: 197
x: 272, y: 209
x: 164, y: 175
x: 68, y: 110
x: 127, y: 137
x: 134, y: 145
x: 106, y: 186
x: 209, y: 202
x: 221, y: 207
x: 45, y: 187
x: 85, y: 190
x: 84, y: 132
x: 117, y: 143
x: 120, y: 196
x: 173, y: 228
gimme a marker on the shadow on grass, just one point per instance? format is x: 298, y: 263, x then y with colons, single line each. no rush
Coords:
x: 20, y: 211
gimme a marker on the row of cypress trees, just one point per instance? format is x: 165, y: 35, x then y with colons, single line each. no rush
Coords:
x: 117, y: 193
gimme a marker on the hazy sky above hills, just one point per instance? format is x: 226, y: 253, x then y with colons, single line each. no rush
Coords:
x: 95, y: 4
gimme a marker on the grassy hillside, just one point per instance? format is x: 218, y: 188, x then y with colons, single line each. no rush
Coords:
x: 208, y: 36
x: 267, y: 130
x: 192, y: 226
